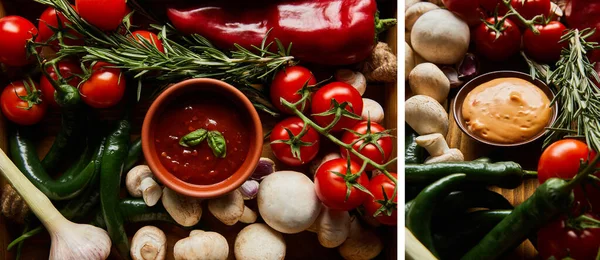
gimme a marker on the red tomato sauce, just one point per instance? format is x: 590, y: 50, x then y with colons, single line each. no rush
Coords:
x: 198, y: 164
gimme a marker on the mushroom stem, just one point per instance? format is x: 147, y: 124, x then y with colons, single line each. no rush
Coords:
x: 148, y: 243
x: 435, y: 144
x: 356, y: 79
x: 140, y: 183
x: 151, y: 192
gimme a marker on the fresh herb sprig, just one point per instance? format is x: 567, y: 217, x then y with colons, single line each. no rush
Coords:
x: 577, y: 94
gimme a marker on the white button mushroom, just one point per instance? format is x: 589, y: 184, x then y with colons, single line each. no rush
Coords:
x: 354, y: 78
x: 287, y: 201
x: 373, y: 110
x: 438, y: 149
x: 315, y: 164
x: 230, y: 209
x: 140, y: 182
x: 186, y: 211
x: 425, y: 115
x: 148, y: 243
x: 415, y: 11
x: 332, y: 227
x: 201, y: 245
x: 440, y: 37
x: 259, y: 242
x: 362, y: 243
x: 427, y: 79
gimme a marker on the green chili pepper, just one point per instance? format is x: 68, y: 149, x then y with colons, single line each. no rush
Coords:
x: 67, y: 139
x: 502, y: 174
x: 136, y: 210
x: 134, y: 154
x: 549, y: 199
x: 418, y: 219
x: 113, y: 159
x: 413, y: 154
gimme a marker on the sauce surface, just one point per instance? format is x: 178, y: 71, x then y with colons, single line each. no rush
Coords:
x: 198, y: 164
x: 506, y: 110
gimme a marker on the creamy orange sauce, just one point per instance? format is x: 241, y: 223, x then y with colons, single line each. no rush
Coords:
x: 506, y: 110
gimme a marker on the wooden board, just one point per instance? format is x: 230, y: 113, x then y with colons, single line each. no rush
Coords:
x: 300, y: 246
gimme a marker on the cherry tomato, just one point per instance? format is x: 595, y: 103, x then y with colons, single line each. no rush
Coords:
x: 107, y: 15
x: 490, y: 6
x: 562, y: 160
x: 149, y: 36
x: 50, y: 19
x: 531, y: 8
x: 67, y: 69
x: 15, y: 31
x: 370, y: 150
x: 341, y: 93
x: 18, y: 110
x: 559, y: 239
x: 545, y: 47
x: 283, y: 152
x: 332, y: 189
x: 377, y: 186
x: 468, y: 10
x: 287, y: 84
x: 498, y: 47
x: 104, y: 88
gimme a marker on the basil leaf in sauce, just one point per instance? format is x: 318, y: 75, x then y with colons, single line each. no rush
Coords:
x: 194, y: 138
x: 216, y: 142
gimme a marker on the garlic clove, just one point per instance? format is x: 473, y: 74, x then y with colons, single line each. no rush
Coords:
x: 469, y: 67
x: 249, y: 189
x: 265, y: 167
x: 71, y: 241
x: 452, y: 76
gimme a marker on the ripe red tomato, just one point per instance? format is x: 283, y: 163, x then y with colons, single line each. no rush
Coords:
x: 545, y: 47
x: 107, y: 15
x: 48, y: 20
x: 332, y: 189
x: 340, y: 92
x: 530, y: 8
x: 283, y: 151
x: 560, y: 240
x: 377, y: 186
x: 104, y: 88
x: 67, y: 69
x: 149, y: 36
x: 15, y: 31
x: 370, y: 150
x: 468, y: 10
x: 498, y: 47
x: 18, y: 110
x: 562, y: 160
x: 490, y: 6
x: 287, y: 84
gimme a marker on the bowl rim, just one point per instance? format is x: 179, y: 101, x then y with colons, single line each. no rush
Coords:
x: 466, y: 89
x: 235, y: 97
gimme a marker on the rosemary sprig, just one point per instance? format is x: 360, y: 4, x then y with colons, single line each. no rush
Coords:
x: 194, y: 57
x: 577, y: 94
x: 538, y: 70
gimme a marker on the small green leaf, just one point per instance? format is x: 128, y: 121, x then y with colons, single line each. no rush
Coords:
x: 216, y: 142
x: 194, y: 138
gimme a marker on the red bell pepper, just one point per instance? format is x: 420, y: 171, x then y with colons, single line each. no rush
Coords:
x: 333, y: 32
x: 583, y: 14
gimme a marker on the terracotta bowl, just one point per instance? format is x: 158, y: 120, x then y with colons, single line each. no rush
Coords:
x: 467, y: 88
x: 206, y: 87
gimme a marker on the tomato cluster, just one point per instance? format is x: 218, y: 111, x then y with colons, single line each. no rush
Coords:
x: 341, y: 184
x: 576, y: 234
x: 100, y: 84
x: 500, y: 34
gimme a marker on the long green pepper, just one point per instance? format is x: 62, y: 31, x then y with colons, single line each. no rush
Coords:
x: 113, y: 159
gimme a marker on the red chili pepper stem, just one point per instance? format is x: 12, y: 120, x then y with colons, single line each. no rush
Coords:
x: 382, y: 25
x: 325, y: 132
x: 582, y: 222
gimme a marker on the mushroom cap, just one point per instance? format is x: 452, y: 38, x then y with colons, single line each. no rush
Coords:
x: 227, y: 208
x: 425, y: 115
x: 202, y: 245
x: 258, y: 242
x: 148, y: 243
x: 186, y: 211
x: 134, y: 179
x: 287, y: 201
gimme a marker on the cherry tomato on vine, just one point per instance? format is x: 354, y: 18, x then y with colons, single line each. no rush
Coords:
x: 15, y: 31
x: 531, y: 8
x: 149, y: 36
x: 497, y: 40
x: 468, y: 10
x: 334, y: 179
x: 306, y: 147
x: 564, y: 238
x: 333, y: 96
x: 288, y: 84
x: 66, y: 69
x: 107, y: 15
x: 383, y: 202
x: 20, y: 105
x: 374, y: 135
x: 49, y: 21
x: 545, y: 47
x: 104, y: 88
